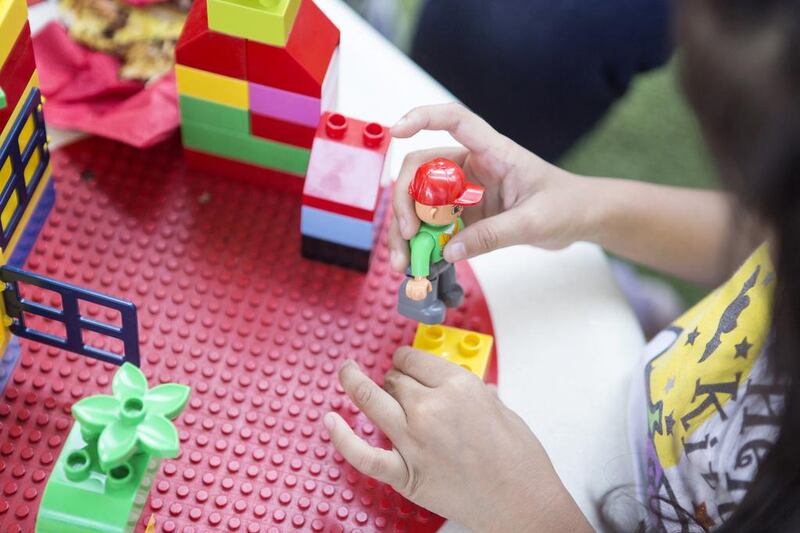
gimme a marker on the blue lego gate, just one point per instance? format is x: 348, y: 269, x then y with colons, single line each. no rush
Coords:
x: 70, y: 316
x: 22, y: 167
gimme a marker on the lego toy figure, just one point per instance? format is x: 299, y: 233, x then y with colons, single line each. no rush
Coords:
x: 440, y: 192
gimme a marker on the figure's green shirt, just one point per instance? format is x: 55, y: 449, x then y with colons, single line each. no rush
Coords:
x: 427, y: 245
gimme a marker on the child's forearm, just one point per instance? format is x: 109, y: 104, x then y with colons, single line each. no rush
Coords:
x: 687, y: 233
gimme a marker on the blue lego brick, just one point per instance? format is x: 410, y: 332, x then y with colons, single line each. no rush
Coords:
x: 9, y: 362
x: 336, y: 228
x: 34, y: 226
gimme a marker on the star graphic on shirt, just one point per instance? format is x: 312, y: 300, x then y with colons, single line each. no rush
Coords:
x: 669, y: 386
x: 742, y: 349
x: 669, y: 420
x: 692, y: 337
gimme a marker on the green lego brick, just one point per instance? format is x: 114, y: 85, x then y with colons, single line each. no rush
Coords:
x: 217, y: 115
x: 81, y: 498
x: 3, y: 101
x: 266, y: 21
x: 246, y: 148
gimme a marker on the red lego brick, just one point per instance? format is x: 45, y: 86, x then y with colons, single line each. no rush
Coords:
x: 346, y: 166
x: 357, y: 133
x: 201, y: 48
x: 16, y: 73
x: 228, y: 306
x: 245, y: 172
x: 281, y: 131
x: 301, y: 66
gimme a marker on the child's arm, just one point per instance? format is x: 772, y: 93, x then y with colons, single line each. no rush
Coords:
x: 457, y: 450
x: 529, y: 201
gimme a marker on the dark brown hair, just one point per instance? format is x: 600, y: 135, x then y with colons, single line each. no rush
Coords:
x: 741, y: 71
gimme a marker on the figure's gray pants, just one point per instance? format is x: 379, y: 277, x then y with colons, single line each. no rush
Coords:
x: 445, y: 292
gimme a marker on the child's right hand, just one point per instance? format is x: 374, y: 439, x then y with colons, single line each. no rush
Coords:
x: 527, y: 200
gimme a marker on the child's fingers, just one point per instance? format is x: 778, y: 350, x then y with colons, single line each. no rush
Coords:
x: 398, y: 248
x: 403, y: 388
x: 498, y: 231
x: 428, y: 369
x: 384, y: 465
x: 402, y: 203
x: 465, y: 126
x: 373, y: 401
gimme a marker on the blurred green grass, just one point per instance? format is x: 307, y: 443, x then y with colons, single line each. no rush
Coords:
x: 650, y: 135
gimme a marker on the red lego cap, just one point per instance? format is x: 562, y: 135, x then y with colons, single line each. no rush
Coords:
x: 442, y: 182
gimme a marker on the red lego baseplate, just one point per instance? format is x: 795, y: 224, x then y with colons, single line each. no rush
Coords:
x: 228, y: 306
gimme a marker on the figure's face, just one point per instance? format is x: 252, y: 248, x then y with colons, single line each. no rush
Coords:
x: 439, y: 215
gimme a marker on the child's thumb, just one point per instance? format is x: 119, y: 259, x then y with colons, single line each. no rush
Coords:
x: 483, y: 236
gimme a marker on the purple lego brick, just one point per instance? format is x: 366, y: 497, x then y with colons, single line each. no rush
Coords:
x: 291, y: 107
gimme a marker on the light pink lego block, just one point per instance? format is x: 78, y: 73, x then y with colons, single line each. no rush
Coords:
x: 284, y: 105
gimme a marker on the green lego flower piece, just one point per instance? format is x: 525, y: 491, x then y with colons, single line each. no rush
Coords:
x: 135, y: 419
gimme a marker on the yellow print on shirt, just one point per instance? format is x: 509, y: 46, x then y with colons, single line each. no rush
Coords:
x: 721, y: 337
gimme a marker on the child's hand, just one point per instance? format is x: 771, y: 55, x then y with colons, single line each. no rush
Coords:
x: 458, y: 450
x: 527, y: 200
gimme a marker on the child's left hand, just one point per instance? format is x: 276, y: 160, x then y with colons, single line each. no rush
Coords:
x: 458, y: 450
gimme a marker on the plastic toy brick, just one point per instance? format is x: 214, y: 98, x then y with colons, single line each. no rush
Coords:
x: 285, y: 105
x: 281, y: 131
x: 244, y: 172
x: 3, y: 101
x: 212, y: 87
x: 346, y: 167
x: 101, y: 479
x: 245, y: 148
x: 353, y: 132
x: 300, y: 66
x: 468, y: 349
x: 16, y: 73
x: 336, y: 228
x: 13, y: 17
x: 32, y: 84
x: 24, y: 159
x: 98, y: 502
x: 32, y: 226
x: 203, y: 49
x: 335, y: 254
x: 216, y: 115
x: 225, y: 303
x: 264, y: 21
x: 8, y: 362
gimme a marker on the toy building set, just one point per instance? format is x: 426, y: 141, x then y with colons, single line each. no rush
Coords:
x: 184, y: 352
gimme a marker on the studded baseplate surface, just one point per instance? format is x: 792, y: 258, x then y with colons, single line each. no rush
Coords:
x: 228, y: 306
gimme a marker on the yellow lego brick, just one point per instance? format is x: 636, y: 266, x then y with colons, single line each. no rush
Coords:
x: 212, y: 87
x: 466, y: 348
x: 13, y: 16
x: 33, y: 82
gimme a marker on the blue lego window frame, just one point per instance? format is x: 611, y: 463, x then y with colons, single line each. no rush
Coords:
x: 20, y: 157
x: 70, y: 316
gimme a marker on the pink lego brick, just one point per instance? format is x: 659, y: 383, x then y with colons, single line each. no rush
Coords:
x: 284, y: 105
x: 346, y: 167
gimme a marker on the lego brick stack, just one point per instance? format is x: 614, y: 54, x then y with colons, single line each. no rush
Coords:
x: 342, y: 194
x: 254, y: 78
x: 26, y: 190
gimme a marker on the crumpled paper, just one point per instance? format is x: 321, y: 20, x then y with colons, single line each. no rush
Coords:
x: 83, y: 92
